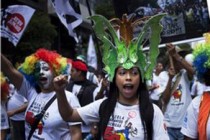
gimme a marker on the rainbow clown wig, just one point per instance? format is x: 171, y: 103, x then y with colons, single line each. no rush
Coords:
x: 58, y: 64
x: 4, y: 87
x: 201, y: 56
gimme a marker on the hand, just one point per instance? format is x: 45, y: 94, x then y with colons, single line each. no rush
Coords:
x: 171, y: 49
x: 155, y: 86
x: 105, y: 82
x: 94, y: 129
x: 60, y: 82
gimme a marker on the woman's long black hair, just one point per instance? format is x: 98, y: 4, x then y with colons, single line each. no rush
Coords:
x: 145, y: 108
x: 206, y: 77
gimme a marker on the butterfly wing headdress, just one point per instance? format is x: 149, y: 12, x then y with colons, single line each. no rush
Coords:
x: 125, y: 50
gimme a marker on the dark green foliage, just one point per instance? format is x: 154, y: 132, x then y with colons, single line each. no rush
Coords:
x: 40, y: 33
x: 105, y: 8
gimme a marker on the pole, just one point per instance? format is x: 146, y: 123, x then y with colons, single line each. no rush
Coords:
x: 99, y: 60
x: 178, y: 42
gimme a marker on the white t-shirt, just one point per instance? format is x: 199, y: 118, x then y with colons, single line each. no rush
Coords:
x: 4, y: 117
x: 125, y: 122
x: 190, y: 124
x: 75, y: 90
x: 92, y: 77
x: 160, y: 80
x: 197, y: 88
x: 54, y: 127
x: 178, y: 103
x: 16, y: 101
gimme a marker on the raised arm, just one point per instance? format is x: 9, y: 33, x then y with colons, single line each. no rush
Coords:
x: 185, y: 65
x: 11, y: 72
x: 17, y: 110
x: 166, y: 95
x: 65, y: 109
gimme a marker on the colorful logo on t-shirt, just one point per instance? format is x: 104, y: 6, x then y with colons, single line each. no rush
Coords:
x: 177, y: 94
x: 127, y: 131
x: 111, y: 134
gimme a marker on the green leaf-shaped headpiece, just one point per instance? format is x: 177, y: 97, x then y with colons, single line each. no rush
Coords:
x: 125, y: 50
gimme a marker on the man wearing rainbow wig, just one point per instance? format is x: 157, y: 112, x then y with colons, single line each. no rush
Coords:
x: 197, y: 119
x: 34, y: 82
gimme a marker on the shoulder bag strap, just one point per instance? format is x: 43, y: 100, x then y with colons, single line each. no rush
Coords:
x: 176, y: 83
x: 39, y: 116
x: 173, y: 89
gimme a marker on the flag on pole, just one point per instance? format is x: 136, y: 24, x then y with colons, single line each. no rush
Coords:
x: 14, y: 20
x: 91, y: 54
x: 67, y: 16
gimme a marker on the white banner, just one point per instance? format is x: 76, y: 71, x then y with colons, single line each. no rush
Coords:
x: 208, y: 4
x: 173, y: 25
x: 91, y: 54
x: 67, y: 16
x: 14, y: 20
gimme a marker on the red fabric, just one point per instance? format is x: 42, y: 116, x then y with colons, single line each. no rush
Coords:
x: 30, y: 117
x: 203, y: 115
x: 69, y: 60
x: 4, y: 91
x: 79, y: 65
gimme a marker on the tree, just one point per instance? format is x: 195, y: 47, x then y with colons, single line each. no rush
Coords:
x: 40, y: 33
x: 105, y: 8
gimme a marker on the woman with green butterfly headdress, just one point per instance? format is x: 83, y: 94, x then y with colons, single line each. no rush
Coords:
x: 127, y: 113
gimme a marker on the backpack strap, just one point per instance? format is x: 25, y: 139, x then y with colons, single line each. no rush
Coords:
x: 101, y: 108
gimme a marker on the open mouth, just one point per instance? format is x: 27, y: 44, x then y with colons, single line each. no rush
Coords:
x: 128, y: 86
x: 43, y: 79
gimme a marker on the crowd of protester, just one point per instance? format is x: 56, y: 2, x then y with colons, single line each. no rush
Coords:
x: 53, y: 97
x: 195, y: 13
x: 173, y: 102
